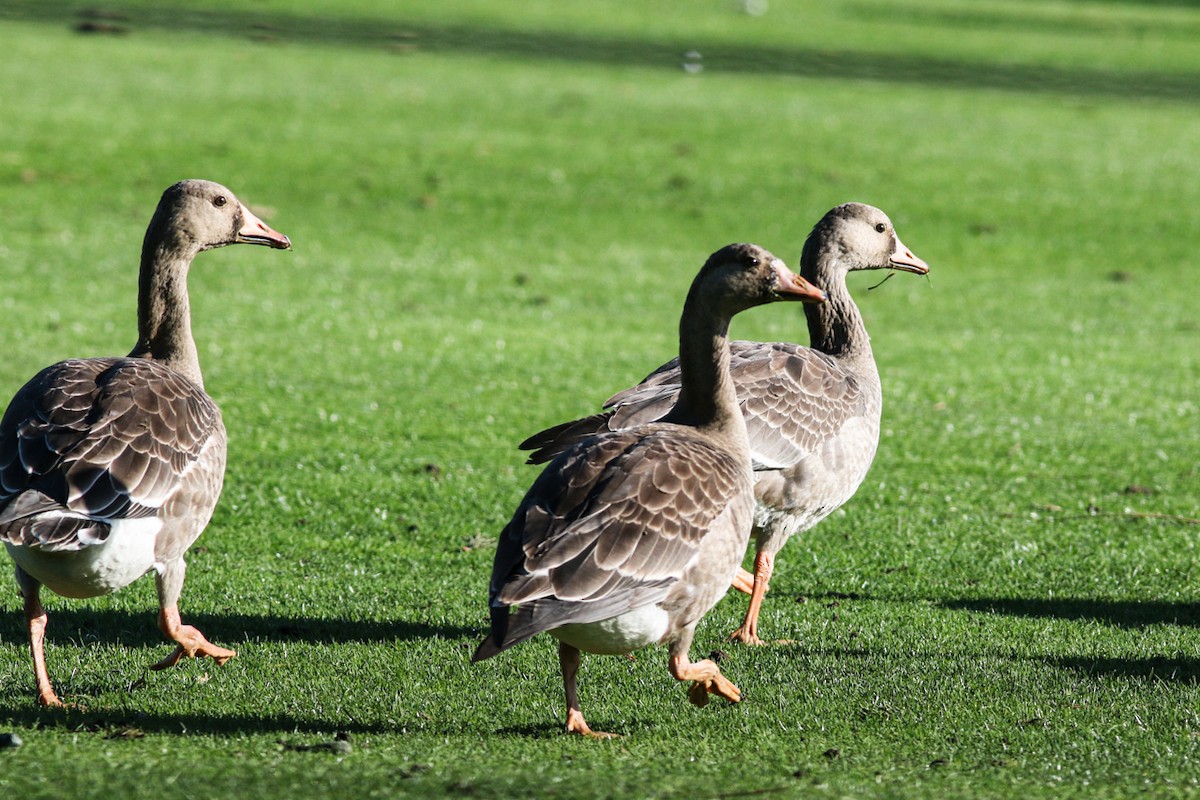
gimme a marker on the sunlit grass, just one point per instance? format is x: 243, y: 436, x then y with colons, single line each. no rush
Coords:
x: 488, y: 241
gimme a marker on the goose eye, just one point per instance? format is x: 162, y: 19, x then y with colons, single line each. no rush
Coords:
x: 880, y: 227
x: 751, y: 261
x: 219, y: 200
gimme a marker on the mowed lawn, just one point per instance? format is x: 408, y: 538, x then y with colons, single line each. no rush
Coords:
x: 496, y: 211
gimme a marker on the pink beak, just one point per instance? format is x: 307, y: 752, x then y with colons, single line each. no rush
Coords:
x: 255, y: 231
x: 903, y: 259
x: 793, y: 287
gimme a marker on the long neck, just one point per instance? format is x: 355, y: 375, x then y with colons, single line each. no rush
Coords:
x: 707, y: 398
x: 835, y: 327
x: 164, y: 315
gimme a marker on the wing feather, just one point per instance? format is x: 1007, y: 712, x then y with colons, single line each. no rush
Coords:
x: 97, y: 439
x: 608, y: 526
x: 794, y: 399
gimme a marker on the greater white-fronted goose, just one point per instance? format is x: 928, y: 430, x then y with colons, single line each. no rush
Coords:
x: 812, y: 413
x: 628, y: 538
x: 111, y: 467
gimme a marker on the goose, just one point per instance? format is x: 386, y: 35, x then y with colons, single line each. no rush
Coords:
x: 628, y: 538
x: 812, y: 413
x: 111, y: 467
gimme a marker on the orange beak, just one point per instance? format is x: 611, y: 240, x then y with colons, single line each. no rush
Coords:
x: 255, y: 231
x: 903, y: 259
x: 792, y: 287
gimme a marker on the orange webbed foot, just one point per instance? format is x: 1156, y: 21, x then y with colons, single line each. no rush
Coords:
x: 192, y: 644
x: 577, y: 724
x: 707, y: 679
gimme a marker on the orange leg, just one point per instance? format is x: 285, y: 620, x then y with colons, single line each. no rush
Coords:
x: 191, y: 642
x: 568, y: 660
x: 743, y: 581
x: 764, y: 564
x: 35, y: 620
x: 707, y: 679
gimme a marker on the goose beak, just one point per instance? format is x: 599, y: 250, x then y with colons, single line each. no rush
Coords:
x: 790, y: 286
x: 903, y: 259
x: 255, y: 231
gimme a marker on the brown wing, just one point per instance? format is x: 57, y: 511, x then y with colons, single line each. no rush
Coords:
x: 793, y: 398
x: 607, y: 527
x: 89, y: 440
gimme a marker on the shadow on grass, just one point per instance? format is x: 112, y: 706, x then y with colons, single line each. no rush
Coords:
x: 1173, y: 670
x: 401, y: 37
x: 131, y: 724
x: 1123, y: 614
x: 140, y: 629
x: 1127, y: 614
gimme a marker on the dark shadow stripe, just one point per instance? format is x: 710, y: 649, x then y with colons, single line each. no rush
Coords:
x: 570, y: 46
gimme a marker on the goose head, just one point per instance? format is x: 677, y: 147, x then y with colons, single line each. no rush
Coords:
x: 195, y: 215
x: 858, y: 236
x: 746, y: 275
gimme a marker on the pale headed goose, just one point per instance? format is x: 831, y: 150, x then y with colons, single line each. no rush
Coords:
x: 111, y: 467
x: 812, y: 413
x: 629, y: 537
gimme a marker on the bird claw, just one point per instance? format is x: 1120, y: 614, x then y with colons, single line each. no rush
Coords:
x: 577, y: 724
x: 746, y: 636
x: 720, y: 686
x: 200, y: 649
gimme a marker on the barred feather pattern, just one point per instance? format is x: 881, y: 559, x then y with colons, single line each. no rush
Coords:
x: 616, y: 523
x: 90, y: 441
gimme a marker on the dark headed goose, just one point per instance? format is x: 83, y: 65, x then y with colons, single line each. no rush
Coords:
x: 629, y: 537
x: 812, y: 413
x: 111, y: 467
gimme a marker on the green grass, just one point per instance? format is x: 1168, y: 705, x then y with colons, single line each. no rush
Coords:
x: 496, y: 210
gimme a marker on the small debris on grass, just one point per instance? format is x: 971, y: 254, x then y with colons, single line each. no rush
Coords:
x: 413, y: 770
x: 1137, y: 488
x: 717, y: 656
x: 340, y: 745
x: 124, y: 732
x: 100, y: 27
x: 479, y: 541
x: 10, y: 741
x: 832, y: 753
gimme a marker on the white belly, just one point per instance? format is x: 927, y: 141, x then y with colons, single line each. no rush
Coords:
x: 126, y: 555
x: 630, y: 631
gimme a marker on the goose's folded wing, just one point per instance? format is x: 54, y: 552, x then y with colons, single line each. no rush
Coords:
x: 793, y: 398
x: 609, y: 526
x: 98, y: 439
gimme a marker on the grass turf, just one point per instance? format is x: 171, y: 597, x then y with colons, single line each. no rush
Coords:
x: 496, y: 215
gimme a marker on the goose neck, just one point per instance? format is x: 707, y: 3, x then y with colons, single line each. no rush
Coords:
x: 835, y: 327
x: 164, y: 312
x: 707, y: 397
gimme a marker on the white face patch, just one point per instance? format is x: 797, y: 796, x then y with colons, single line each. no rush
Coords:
x: 126, y: 555
x: 630, y: 631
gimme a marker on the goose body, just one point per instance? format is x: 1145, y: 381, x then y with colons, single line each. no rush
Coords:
x: 629, y: 537
x: 110, y: 468
x: 812, y: 413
